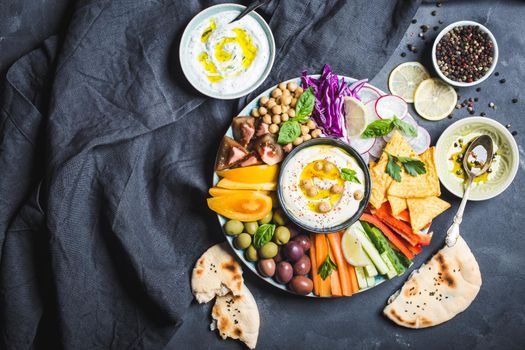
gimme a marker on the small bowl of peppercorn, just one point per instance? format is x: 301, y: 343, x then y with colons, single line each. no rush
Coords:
x: 465, y: 53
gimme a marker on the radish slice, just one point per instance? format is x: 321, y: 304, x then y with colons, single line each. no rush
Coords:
x: 377, y: 148
x: 422, y: 142
x: 371, y: 87
x: 370, y: 112
x: 367, y: 94
x: 389, y: 106
x: 361, y: 145
x: 366, y: 157
x: 408, y: 119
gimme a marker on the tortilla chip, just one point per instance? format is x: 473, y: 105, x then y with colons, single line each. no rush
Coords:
x: 397, y: 204
x: 398, y: 146
x: 423, y: 210
x: 424, y: 185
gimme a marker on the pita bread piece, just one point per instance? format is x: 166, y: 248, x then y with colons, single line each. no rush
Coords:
x: 423, y: 210
x: 237, y: 317
x: 438, y: 291
x: 424, y: 185
x: 215, y: 274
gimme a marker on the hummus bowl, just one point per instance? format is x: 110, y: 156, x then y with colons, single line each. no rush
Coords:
x: 324, y: 185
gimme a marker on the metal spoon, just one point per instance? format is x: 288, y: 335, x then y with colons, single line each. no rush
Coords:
x: 485, y: 152
x: 252, y: 7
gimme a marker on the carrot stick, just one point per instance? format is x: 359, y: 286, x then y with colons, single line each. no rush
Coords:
x: 335, y: 282
x: 315, y: 276
x: 321, y: 248
x: 371, y: 219
x: 404, y: 215
x: 337, y: 252
x: 415, y: 249
x: 353, y: 278
x: 401, y: 227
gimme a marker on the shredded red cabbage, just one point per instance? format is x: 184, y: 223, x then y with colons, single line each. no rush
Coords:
x: 329, y: 96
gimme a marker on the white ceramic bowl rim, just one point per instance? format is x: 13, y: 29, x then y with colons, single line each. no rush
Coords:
x: 500, y: 128
x: 446, y: 30
x: 271, y: 58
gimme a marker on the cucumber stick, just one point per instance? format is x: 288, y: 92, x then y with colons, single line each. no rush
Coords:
x: 371, y: 270
x: 370, y: 281
x: 382, y: 245
x: 361, y: 278
x: 357, y: 231
x: 392, y: 271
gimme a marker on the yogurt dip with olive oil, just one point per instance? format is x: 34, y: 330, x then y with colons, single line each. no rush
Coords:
x: 228, y: 58
x: 457, y: 153
x: 314, y: 191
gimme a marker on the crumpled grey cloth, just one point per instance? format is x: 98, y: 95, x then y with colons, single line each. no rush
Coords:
x: 106, y: 155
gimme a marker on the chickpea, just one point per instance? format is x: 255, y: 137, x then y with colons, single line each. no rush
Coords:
x: 316, y: 133
x: 278, y: 101
x: 282, y: 86
x: 307, y: 137
x: 276, y: 93
x: 267, y: 119
x: 312, y: 192
x: 284, y: 117
x: 304, y: 130
x: 264, y: 100
x: 336, y: 189
x: 286, y: 93
x: 291, y: 112
x: 284, y: 108
x: 276, y: 119
x: 358, y: 195
x: 271, y: 103
x: 324, y: 207
x: 262, y: 110
x: 287, y: 100
x: 294, y: 102
x: 311, y: 124
x: 277, y: 109
x: 273, y: 128
x: 307, y: 184
x: 292, y: 86
x: 318, y: 166
x: 328, y: 167
x: 297, y: 141
x: 298, y: 91
x: 255, y: 113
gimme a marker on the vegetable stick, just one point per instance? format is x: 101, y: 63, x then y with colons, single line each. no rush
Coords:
x: 388, y: 233
x: 337, y: 252
x: 401, y: 227
x: 414, y: 249
x: 335, y: 283
x: 315, y: 276
x: 404, y: 215
x: 321, y: 248
x: 353, y: 277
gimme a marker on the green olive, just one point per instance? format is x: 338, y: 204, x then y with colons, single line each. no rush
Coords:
x: 242, y: 241
x: 281, y: 235
x: 251, y: 253
x: 266, y: 219
x: 233, y: 227
x: 279, y: 218
x: 251, y: 227
x: 269, y: 250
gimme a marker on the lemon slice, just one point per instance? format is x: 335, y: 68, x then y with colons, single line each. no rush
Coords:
x: 353, y: 250
x: 434, y: 99
x: 355, y: 116
x: 405, y: 78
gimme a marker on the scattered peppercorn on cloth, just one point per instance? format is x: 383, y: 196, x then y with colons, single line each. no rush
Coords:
x: 106, y: 155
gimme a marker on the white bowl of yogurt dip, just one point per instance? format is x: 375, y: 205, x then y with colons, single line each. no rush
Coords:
x: 226, y: 60
x: 324, y: 185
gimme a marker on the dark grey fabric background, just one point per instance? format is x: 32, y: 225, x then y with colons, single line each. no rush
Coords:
x: 125, y: 150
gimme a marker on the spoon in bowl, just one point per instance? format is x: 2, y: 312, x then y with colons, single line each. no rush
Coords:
x: 481, y: 149
x: 252, y: 7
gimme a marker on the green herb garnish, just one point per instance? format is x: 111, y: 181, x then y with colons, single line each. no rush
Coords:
x: 383, y: 127
x: 304, y: 106
x: 412, y: 166
x: 349, y: 175
x: 263, y: 235
x: 289, y: 131
x: 327, y: 267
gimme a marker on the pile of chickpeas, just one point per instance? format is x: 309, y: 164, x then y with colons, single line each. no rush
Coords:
x: 280, y: 107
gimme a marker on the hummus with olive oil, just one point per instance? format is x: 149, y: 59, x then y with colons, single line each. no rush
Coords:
x: 314, y: 191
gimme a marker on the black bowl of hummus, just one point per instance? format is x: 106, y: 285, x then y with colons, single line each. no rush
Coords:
x: 324, y: 185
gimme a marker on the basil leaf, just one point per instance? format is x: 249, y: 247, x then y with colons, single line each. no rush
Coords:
x: 304, y: 106
x: 263, y: 235
x: 378, y: 128
x: 349, y: 175
x: 407, y: 129
x: 413, y: 166
x: 327, y: 267
x: 392, y: 168
x: 289, y: 131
